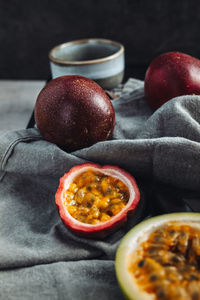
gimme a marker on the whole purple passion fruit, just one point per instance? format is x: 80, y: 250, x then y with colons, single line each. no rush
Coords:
x: 170, y: 75
x: 74, y: 112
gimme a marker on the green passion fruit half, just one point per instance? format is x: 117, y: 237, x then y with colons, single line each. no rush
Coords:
x: 160, y: 259
x: 93, y: 201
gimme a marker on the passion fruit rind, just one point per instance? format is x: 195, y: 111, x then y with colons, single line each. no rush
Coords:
x: 172, y: 236
x: 105, y: 228
x: 74, y: 112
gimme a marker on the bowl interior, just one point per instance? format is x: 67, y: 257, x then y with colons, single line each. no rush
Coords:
x: 90, y: 50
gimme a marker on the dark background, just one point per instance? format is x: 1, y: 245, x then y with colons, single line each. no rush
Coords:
x: 29, y: 29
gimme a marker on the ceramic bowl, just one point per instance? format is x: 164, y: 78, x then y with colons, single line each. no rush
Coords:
x: 98, y: 59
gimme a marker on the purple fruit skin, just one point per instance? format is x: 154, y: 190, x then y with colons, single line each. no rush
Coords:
x: 74, y: 112
x: 170, y: 75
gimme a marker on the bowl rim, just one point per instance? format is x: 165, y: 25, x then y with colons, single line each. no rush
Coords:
x: 85, y: 62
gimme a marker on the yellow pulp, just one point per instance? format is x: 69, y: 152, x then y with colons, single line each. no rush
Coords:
x: 94, y: 197
x: 167, y: 265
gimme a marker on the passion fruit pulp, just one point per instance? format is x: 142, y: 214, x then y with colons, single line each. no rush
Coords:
x: 74, y: 112
x: 159, y: 259
x: 94, y: 201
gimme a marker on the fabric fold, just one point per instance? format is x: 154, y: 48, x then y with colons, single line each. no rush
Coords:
x: 161, y: 150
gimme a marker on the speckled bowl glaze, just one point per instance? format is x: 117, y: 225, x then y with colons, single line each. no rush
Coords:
x: 98, y: 59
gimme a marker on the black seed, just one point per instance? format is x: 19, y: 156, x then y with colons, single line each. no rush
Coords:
x: 124, y: 195
x: 175, y: 259
x: 195, y: 296
x: 194, y: 277
x: 109, y: 213
x: 182, y: 234
x: 89, y: 188
x: 161, y: 294
x: 141, y: 263
x: 88, y: 204
x: 172, y: 232
x: 153, y: 278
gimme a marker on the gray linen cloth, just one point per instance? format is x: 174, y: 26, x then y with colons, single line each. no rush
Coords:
x: 39, y: 257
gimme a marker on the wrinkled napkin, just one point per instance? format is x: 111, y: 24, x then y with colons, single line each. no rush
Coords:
x: 39, y: 257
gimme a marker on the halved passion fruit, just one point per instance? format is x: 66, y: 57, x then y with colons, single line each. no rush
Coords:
x: 94, y: 201
x: 160, y: 259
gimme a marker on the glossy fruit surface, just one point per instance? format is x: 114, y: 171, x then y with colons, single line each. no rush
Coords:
x: 159, y: 257
x: 170, y: 75
x: 94, y: 201
x: 74, y: 112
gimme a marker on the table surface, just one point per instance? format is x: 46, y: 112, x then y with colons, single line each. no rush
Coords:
x: 17, y: 101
